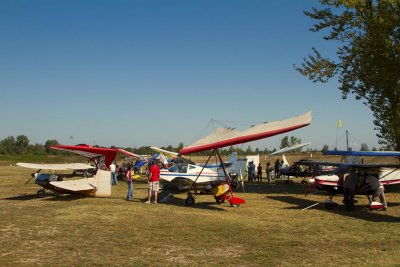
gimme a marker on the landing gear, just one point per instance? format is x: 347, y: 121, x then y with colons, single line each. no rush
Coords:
x: 190, y: 200
x: 329, y: 204
x: 41, y: 193
x: 220, y: 200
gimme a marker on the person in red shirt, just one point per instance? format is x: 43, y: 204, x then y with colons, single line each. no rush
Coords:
x: 154, y: 184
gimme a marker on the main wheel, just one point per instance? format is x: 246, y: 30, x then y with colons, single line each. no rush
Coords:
x: 219, y: 200
x: 41, y: 193
x: 189, y: 200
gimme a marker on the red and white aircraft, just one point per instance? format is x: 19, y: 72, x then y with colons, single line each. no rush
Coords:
x: 223, y: 137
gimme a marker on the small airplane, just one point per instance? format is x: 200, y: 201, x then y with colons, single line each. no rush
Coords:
x: 296, y: 169
x: 97, y: 186
x: 182, y: 175
x: 50, y: 179
x: 223, y: 137
x: 373, y: 178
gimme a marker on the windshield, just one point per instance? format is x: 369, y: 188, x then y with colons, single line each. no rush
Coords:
x: 178, y: 168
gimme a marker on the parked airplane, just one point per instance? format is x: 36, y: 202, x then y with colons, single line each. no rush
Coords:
x: 372, y: 178
x: 98, y: 186
x: 223, y: 137
x: 51, y: 178
x: 182, y: 175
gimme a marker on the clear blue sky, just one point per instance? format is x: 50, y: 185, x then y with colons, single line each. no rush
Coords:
x: 133, y: 73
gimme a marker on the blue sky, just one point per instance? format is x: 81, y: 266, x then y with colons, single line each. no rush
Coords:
x: 133, y: 73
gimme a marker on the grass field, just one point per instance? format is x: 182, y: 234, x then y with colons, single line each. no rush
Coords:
x: 271, y: 229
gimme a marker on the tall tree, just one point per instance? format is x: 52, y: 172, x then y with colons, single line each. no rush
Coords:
x: 50, y: 143
x: 21, y: 144
x: 284, y: 142
x: 364, y: 147
x: 325, y: 148
x: 368, y: 61
x: 8, y: 146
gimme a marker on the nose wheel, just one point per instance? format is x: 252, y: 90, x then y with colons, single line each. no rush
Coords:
x: 41, y: 193
x: 190, y: 200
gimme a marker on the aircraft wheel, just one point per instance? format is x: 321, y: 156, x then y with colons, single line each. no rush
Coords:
x: 329, y: 206
x: 235, y: 205
x: 41, y: 193
x: 219, y: 200
x: 189, y: 200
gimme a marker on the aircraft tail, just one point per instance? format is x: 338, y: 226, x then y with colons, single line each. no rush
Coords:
x: 285, y: 162
x: 238, y: 165
x: 102, y: 182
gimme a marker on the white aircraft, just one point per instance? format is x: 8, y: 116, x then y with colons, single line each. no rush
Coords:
x: 223, y: 137
x: 97, y: 186
x: 182, y: 175
x: 49, y: 177
x: 374, y: 178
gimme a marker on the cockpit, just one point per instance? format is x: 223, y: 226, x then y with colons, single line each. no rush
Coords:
x: 180, y: 168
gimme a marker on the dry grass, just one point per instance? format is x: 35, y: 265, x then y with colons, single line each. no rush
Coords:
x: 269, y: 230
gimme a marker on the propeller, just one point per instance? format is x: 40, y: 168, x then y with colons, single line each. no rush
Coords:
x: 33, y: 175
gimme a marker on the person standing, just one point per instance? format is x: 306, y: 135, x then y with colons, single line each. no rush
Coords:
x: 249, y: 175
x: 113, y: 175
x: 277, y: 172
x: 154, y: 178
x: 259, y: 172
x: 350, y: 185
x: 128, y: 178
x: 268, y: 172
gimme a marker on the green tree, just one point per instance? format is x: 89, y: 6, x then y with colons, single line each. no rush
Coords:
x: 294, y: 141
x: 249, y: 151
x: 368, y: 61
x: 180, y: 146
x: 325, y: 148
x: 364, y: 147
x: 284, y: 142
x: 37, y: 149
x: 50, y: 143
x: 21, y: 144
x: 8, y: 146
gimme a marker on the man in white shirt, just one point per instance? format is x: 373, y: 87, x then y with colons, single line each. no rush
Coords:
x: 113, y: 176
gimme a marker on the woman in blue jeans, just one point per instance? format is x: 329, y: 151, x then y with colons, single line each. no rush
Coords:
x: 128, y: 178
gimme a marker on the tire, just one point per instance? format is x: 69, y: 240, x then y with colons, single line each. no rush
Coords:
x: 235, y: 205
x: 189, y: 201
x: 219, y: 200
x: 41, y: 193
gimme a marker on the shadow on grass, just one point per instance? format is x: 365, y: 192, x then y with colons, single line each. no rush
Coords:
x: 180, y: 202
x: 26, y: 197
x: 276, y: 187
x: 360, y: 212
x: 22, y: 197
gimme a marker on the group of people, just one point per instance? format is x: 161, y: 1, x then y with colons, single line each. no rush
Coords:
x: 153, y: 180
x: 251, y: 169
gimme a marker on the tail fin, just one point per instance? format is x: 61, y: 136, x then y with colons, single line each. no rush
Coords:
x: 238, y: 165
x: 285, y: 162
